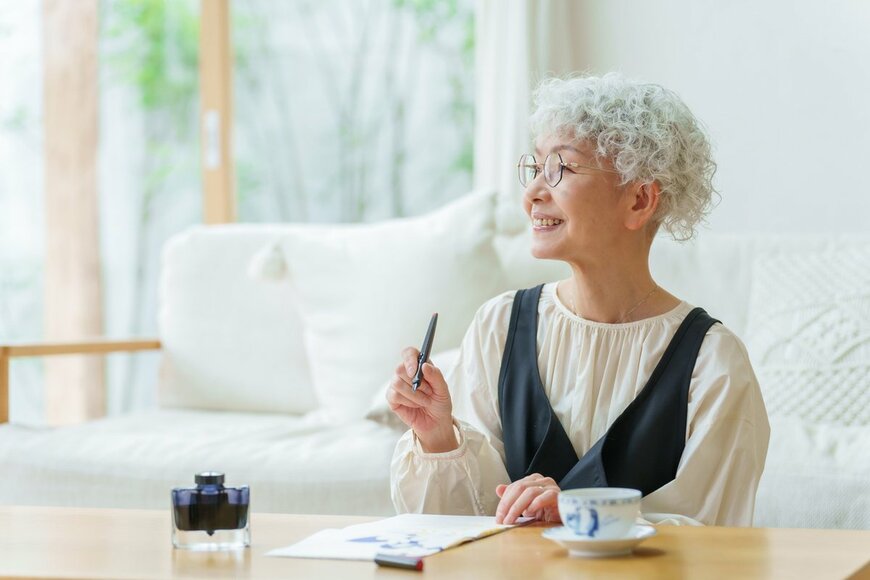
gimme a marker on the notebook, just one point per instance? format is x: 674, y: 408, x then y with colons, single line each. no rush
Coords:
x: 413, y: 535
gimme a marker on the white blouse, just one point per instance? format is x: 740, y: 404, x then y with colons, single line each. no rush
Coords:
x: 591, y: 371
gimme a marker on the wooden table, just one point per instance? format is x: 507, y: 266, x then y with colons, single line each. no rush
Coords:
x: 91, y: 543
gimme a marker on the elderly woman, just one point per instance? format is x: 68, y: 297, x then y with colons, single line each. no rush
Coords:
x: 605, y: 378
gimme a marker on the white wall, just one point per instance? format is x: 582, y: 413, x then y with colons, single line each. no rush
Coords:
x: 782, y: 86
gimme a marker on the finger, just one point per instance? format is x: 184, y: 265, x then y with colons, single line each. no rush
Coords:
x: 521, y: 504
x: 548, y: 499
x: 538, y: 479
x: 546, y: 482
x: 508, y: 498
x: 552, y: 515
x: 403, y: 390
x: 531, y: 479
x: 422, y: 387
x: 401, y: 372
x: 396, y: 399
x: 431, y: 372
x: 515, y: 488
x: 409, y: 352
x: 503, y: 506
x: 403, y: 385
x: 400, y: 398
x: 423, y: 397
x: 409, y: 360
x: 509, y: 493
x: 435, y: 378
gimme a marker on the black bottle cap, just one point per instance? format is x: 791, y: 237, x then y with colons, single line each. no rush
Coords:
x: 209, y: 478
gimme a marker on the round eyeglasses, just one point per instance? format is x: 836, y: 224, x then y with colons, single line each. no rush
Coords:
x: 528, y: 169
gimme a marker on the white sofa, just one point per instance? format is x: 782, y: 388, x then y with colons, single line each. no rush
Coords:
x: 277, y: 341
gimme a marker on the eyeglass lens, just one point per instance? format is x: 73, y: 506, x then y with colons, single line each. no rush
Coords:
x: 528, y: 169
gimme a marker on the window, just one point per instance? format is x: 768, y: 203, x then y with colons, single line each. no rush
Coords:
x: 343, y: 110
x: 22, y: 229
x: 149, y: 186
x: 351, y: 110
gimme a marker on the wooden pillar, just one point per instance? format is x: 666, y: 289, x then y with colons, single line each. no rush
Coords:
x: 216, y: 112
x: 73, y: 287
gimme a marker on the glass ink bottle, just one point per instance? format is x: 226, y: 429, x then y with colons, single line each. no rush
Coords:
x: 211, y: 516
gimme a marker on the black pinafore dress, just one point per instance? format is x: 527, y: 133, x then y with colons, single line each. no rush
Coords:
x: 643, y: 446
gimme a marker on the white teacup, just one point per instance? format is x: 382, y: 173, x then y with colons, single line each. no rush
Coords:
x: 599, y: 512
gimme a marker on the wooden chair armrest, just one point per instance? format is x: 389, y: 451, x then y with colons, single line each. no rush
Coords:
x: 93, y: 346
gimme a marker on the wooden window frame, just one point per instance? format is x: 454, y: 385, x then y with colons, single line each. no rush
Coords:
x: 216, y: 112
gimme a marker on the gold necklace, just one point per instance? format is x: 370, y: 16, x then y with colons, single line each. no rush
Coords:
x: 627, y: 314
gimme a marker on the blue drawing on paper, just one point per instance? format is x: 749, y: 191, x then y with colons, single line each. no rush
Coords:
x: 391, y: 541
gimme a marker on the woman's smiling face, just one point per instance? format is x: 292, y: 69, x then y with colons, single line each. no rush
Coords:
x: 581, y: 215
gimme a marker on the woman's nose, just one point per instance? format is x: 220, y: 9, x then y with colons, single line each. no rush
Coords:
x: 536, y: 190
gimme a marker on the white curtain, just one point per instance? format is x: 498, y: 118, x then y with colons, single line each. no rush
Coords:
x: 518, y: 43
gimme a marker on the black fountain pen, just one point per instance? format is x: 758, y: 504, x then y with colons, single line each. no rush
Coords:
x: 424, y: 352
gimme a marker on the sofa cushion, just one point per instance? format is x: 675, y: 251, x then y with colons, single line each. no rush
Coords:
x: 292, y: 464
x: 230, y: 342
x: 816, y: 476
x: 808, y: 333
x: 368, y: 290
x: 809, y: 329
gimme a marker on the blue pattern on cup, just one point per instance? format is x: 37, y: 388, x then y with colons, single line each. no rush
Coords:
x: 584, y: 522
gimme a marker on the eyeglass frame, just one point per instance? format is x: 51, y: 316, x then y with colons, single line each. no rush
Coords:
x: 562, y: 166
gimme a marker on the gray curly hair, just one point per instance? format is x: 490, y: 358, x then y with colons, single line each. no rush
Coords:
x: 645, y: 130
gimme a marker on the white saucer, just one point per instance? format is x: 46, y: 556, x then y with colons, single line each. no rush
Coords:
x: 597, y: 547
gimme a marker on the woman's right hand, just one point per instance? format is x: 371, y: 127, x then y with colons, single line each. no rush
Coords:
x: 428, y: 410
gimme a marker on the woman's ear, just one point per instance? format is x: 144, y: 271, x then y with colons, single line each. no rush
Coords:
x: 645, y: 201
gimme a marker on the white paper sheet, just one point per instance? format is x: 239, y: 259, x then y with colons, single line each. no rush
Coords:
x: 406, y: 535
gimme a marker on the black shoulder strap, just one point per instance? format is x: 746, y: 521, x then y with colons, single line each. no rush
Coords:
x: 534, y: 439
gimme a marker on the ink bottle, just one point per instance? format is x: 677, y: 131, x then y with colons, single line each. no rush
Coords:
x: 211, y: 516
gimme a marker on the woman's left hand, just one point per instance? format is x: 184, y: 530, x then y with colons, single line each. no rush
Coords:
x: 532, y: 496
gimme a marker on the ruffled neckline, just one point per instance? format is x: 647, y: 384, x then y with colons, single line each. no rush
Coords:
x: 678, y: 312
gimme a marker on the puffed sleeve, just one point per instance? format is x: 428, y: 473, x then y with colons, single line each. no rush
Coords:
x: 462, y: 481
x: 726, y: 443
